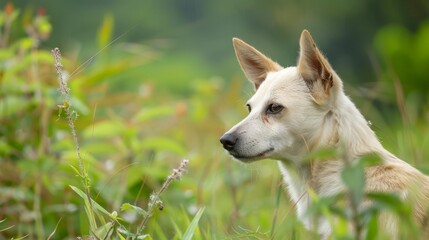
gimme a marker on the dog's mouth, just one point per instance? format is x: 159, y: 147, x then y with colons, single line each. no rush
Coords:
x: 248, y: 158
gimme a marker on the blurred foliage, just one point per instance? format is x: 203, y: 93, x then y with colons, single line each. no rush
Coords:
x: 143, y: 105
x: 406, y: 56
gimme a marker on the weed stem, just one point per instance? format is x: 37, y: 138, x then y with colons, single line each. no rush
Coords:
x: 65, y: 92
x: 154, y: 200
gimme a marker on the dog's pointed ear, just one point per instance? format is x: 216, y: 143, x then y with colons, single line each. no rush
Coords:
x: 315, y: 69
x: 254, y: 64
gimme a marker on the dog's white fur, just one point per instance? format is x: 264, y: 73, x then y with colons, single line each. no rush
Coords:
x: 314, y: 113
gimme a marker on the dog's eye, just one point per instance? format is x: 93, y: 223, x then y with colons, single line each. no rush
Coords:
x: 249, y: 108
x: 274, y: 108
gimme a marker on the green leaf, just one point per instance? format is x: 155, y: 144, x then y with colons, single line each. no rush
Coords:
x: 120, y: 236
x: 71, y: 157
x: 132, y: 235
x: 26, y: 43
x: 341, y: 229
x: 104, y: 230
x: 5, y: 148
x: 393, y: 41
x: 138, y: 210
x: 390, y: 201
x: 372, y: 229
x: 7, y: 228
x: 85, y: 198
x: 20, y: 238
x: 12, y: 105
x: 322, y: 154
x: 163, y: 144
x: 55, y: 229
x: 178, y: 231
x: 152, y: 113
x: 159, y: 231
x: 79, y: 192
x: 75, y: 170
x: 100, y: 75
x: 354, y: 179
x: 43, y: 26
x: 193, y: 226
x: 370, y: 159
x: 79, y: 106
x: 146, y: 236
x: 104, y: 129
x: 105, y: 31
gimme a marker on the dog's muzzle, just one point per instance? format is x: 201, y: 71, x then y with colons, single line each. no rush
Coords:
x: 228, y: 141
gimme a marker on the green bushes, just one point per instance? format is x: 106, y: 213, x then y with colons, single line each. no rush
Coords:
x: 129, y: 142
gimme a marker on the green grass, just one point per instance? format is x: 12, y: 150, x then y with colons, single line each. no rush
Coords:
x: 133, y: 134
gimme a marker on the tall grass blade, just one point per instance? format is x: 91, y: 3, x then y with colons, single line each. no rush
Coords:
x: 193, y: 226
x: 55, y: 229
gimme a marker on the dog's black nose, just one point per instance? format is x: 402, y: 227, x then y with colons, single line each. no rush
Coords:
x: 228, y: 141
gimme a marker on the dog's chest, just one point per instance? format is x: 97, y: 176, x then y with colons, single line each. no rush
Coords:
x: 324, y: 179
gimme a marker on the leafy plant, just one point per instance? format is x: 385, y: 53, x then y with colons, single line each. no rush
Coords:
x: 404, y: 56
x: 346, y: 210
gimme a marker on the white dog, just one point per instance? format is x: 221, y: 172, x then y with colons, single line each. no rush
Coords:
x: 297, y: 110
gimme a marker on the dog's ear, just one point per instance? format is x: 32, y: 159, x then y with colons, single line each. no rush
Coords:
x: 254, y: 64
x: 315, y: 69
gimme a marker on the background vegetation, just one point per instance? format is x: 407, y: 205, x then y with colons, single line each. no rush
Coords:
x: 155, y: 82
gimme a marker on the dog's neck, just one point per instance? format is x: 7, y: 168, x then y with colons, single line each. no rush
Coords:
x: 353, y: 130
x: 343, y: 126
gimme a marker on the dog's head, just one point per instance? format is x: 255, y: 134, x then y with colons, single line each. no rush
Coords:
x: 289, y: 106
